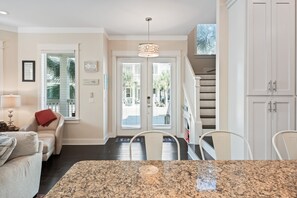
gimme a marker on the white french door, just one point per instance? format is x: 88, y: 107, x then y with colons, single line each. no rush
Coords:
x: 146, y: 95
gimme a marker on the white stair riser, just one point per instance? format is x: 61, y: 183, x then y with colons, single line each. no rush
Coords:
x: 207, y: 103
x: 207, y: 95
x: 208, y: 121
x: 207, y: 130
x: 207, y: 82
x: 207, y: 111
x: 207, y: 89
x: 207, y: 76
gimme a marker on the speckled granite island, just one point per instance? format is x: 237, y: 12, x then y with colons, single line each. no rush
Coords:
x: 178, y: 179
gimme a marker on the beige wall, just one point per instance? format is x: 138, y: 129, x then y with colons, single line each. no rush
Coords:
x: 10, y: 67
x: 95, y: 121
x: 132, y: 45
x: 200, y: 64
x: 10, y: 56
x: 90, y: 128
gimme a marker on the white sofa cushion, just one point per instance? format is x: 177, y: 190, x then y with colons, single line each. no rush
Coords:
x: 27, y: 143
x: 48, y: 140
x: 7, y: 144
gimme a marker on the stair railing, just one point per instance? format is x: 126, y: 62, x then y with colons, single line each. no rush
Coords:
x: 191, y: 87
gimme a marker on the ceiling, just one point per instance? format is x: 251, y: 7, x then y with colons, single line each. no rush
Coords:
x: 117, y: 17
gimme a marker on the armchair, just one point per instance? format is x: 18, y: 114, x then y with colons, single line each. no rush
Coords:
x: 51, y: 135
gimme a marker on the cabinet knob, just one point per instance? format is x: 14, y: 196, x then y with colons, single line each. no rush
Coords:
x: 269, y: 86
x: 274, y: 86
x: 269, y: 106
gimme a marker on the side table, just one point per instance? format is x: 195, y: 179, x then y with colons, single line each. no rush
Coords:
x: 13, y: 128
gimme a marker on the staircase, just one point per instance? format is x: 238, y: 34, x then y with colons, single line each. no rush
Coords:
x: 208, y: 101
x: 207, y: 116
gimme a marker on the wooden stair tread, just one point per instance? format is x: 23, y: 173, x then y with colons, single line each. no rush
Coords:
x: 209, y: 127
x: 209, y: 73
x: 207, y: 116
x: 207, y: 107
x: 207, y: 99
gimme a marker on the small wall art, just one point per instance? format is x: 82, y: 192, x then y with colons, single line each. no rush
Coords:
x: 91, y: 66
x: 28, y: 71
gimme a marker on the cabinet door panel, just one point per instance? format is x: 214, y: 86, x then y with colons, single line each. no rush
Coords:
x: 283, y: 118
x: 259, y: 47
x: 259, y: 127
x: 283, y: 46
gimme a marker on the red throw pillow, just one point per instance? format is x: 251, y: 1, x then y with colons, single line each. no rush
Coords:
x: 45, y: 117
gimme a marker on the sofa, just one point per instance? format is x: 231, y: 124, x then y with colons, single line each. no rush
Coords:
x: 20, y: 174
x: 50, y: 135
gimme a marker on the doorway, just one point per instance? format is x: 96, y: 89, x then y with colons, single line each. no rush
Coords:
x: 145, y: 95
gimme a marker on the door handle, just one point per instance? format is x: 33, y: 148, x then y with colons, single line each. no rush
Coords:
x: 148, y: 101
x: 269, y: 106
x: 274, y: 107
x: 274, y: 87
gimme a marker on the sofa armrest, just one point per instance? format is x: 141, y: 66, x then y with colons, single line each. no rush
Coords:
x: 27, y: 143
x: 31, y: 126
x: 40, y: 147
x: 59, y: 136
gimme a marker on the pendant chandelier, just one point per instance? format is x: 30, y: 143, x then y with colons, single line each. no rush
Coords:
x: 148, y: 49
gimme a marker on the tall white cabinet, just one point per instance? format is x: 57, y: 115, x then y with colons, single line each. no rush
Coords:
x: 261, y: 71
x: 271, y: 47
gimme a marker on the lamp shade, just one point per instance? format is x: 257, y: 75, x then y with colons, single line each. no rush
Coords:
x: 148, y: 50
x: 10, y: 101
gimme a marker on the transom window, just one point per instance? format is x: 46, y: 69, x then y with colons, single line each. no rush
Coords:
x: 206, y: 39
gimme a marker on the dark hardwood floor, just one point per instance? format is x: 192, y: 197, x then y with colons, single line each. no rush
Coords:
x: 58, y: 165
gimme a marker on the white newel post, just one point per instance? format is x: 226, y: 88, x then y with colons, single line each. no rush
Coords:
x: 197, y: 121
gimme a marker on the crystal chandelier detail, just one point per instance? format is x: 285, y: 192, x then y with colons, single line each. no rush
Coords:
x: 148, y: 49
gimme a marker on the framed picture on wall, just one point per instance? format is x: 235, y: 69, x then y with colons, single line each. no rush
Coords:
x: 28, y: 71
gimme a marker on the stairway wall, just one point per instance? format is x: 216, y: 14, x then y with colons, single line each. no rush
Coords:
x: 200, y: 63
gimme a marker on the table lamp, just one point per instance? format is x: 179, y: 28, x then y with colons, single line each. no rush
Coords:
x: 10, y: 102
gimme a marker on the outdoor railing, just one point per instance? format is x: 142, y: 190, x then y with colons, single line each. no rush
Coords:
x: 54, y: 104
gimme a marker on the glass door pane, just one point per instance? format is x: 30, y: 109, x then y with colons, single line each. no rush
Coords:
x: 131, y: 97
x: 161, y: 94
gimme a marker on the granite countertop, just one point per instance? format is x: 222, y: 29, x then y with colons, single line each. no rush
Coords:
x: 178, y: 179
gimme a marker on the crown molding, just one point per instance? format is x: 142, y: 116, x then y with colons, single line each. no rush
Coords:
x: 60, y: 30
x: 73, y: 30
x: 8, y: 28
x: 144, y: 37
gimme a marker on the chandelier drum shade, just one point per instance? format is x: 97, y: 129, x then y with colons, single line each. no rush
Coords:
x: 148, y: 49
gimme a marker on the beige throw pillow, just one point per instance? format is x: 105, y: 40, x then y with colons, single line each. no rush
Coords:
x: 27, y: 143
x: 7, y: 144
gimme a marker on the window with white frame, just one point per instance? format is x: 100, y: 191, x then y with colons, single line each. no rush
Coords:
x: 60, y: 87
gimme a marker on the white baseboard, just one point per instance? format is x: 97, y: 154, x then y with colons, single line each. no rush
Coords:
x: 84, y: 141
